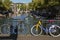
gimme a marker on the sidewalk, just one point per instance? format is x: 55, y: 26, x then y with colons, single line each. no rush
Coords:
x: 42, y: 37
x: 30, y: 37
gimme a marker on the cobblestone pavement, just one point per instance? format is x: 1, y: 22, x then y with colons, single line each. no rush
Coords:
x: 29, y: 37
x: 45, y: 37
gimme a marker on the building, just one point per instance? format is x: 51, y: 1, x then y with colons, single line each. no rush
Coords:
x: 16, y: 7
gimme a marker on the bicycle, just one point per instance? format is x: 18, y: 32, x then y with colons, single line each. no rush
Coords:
x: 10, y: 28
x: 22, y: 28
x: 5, y: 29
x: 38, y: 28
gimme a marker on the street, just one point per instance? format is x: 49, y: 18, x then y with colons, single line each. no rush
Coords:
x: 29, y: 37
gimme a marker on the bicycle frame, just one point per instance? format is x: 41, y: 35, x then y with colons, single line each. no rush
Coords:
x: 46, y: 30
x: 39, y: 24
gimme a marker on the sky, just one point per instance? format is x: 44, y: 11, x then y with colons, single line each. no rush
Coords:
x: 21, y: 1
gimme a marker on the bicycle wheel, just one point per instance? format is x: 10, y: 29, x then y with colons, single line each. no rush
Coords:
x: 22, y: 29
x: 54, y: 30
x: 36, y: 32
x: 5, y: 29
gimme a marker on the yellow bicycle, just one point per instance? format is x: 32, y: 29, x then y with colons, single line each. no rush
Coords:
x: 53, y: 29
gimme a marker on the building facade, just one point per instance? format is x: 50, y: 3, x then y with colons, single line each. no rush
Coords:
x: 16, y: 7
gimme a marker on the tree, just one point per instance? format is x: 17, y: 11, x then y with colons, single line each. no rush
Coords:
x: 5, y: 4
x: 23, y: 7
x: 53, y: 2
x: 5, y: 7
x: 37, y: 4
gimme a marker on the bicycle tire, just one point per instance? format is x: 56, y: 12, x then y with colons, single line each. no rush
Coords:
x: 50, y: 31
x: 6, y: 27
x: 36, y: 34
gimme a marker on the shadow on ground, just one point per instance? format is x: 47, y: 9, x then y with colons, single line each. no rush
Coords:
x: 11, y: 37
